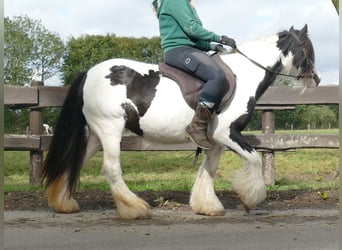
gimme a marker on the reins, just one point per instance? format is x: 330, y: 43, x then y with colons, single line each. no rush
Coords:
x: 264, y: 68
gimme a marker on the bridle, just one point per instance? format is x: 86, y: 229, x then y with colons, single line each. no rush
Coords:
x: 268, y: 69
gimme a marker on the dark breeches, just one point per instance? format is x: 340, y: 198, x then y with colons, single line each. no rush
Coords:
x: 198, y: 63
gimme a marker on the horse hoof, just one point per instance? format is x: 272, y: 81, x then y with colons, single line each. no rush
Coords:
x: 141, y: 211
x: 247, y: 209
x: 145, y: 216
x: 66, y: 206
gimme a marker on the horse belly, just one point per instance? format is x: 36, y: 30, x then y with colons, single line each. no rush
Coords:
x: 168, y: 115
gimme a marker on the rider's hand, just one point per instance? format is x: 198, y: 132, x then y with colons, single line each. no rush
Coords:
x: 220, y: 48
x: 228, y: 41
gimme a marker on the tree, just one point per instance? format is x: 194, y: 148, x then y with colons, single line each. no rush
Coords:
x: 17, y: 49
x: 336, y: 4
x: 86, y: 51
x: 30, y: 51
x: 315, y: 116
x: 319, y: 116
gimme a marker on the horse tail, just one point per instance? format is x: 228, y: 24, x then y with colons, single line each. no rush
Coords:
x: 68, y: 145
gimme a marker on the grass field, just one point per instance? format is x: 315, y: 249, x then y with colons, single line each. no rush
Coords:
x: 301, y: 169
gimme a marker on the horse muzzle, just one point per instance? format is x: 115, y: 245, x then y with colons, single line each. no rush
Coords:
x: 313, y: 81
x: 317, y: 79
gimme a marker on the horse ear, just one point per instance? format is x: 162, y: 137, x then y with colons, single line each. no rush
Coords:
x: 291, y: 29
x: 304, y: 30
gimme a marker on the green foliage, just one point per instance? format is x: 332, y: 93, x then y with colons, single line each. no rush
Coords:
x: 17, y: 49
x: 30, y: 50
x: 335, y: 110
x: 86, y: 51
x: 16, y: 121
x: 255, y: 123
x: 302, y: 117
x: 336, y: 4
x: 319, y: 116
x: 323, y: 195
x: 315, y: 116
x: 47, y: 53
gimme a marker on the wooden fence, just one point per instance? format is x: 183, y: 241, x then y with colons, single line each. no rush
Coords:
x: 37, y: 97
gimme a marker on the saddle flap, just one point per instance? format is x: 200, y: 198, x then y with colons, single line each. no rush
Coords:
x: 191, y: 86
x: 188, y: 83
x: 231, y: 81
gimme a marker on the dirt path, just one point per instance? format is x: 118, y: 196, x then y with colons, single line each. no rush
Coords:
x: 286, y: 220
x: 102, y: 200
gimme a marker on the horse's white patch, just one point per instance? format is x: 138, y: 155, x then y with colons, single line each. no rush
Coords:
x: 162, y: 121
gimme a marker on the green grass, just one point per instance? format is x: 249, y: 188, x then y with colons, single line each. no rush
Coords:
x: 300, y: 132
x: 302, y: 169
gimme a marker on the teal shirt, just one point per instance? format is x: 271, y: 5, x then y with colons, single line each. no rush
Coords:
x: 179, y: 26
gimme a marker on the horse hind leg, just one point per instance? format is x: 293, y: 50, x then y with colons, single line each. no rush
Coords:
x: 128, y: 204
x: 93, y: 145
x: 58, y: 195
x: 203, y: 199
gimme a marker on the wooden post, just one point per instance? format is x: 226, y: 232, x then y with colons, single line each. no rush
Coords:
x: 36, y: 128
x: 268, y: 158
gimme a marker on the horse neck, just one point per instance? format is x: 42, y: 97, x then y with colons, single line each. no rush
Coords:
x: 266, y: 52
x: 263, y: 50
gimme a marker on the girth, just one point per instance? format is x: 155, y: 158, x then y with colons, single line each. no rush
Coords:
x: 191, y: 86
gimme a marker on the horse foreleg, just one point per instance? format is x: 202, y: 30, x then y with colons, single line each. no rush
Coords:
x: 203, y: 199
x: 248, y: 182
x: 128, y: 205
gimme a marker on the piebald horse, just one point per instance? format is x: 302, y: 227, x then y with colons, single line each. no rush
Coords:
x: 120, y: 93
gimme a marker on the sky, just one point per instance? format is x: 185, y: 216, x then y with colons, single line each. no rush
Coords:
x: 243, y: 20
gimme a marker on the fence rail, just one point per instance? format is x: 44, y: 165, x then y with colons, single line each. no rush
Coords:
x: 42, y: 96
x: 38, y: 97
x: 135, y: 143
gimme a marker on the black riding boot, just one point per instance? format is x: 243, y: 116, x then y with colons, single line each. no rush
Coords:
x: 197, y: 129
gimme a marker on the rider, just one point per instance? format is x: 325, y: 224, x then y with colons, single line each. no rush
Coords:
x: 184, y: 41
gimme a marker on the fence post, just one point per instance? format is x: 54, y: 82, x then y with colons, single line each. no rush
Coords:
x: 268, y: 158
x: 36, y: 128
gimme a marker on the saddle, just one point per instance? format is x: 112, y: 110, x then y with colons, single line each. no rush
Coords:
x: 191, y: 86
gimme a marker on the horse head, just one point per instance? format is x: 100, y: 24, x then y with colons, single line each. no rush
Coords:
x: 298, y: 44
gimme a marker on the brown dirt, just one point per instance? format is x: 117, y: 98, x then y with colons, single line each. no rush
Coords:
x: 102, y: 200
